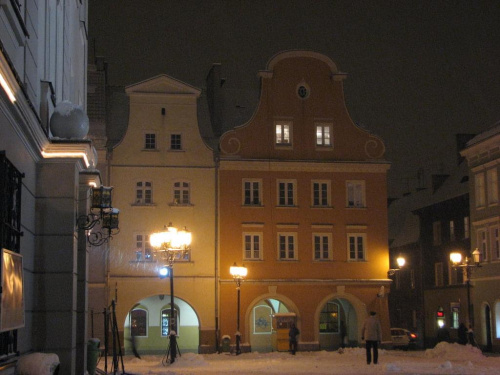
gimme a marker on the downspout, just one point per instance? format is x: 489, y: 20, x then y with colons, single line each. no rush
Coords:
x: 217, y: 163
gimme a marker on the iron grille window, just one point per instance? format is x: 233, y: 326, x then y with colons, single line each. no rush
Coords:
x: 10, y: 231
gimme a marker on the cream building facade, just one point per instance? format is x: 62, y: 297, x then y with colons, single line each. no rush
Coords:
x: 483, y: 157
x: 162, y: 173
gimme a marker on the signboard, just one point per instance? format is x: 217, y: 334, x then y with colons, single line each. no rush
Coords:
x: 12, y: 292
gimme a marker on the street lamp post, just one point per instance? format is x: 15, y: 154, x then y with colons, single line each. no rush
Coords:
x: 238, y: 274
x: 167, y: 245
x: 468, y: 264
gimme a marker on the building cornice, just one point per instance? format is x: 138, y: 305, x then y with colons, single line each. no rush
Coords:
x: 375, y: 282
x: 82, y: 150
x: 303, y: 166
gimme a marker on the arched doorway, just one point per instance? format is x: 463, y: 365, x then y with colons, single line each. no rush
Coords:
x: 261, y: 325
x: 338, y: 324
x: 146, y: 326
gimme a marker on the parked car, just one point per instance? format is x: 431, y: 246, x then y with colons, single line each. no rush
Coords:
x: 403, y: 338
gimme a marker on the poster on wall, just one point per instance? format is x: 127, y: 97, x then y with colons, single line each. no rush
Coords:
x: 12, y: 292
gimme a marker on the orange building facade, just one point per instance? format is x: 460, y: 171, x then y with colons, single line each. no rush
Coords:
x: 303, y: 205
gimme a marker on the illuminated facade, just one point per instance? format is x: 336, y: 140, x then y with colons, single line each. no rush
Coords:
x: 303, y: 205
x: 162, y: 173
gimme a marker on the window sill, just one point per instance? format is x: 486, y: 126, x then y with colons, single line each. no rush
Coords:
x: 323, y: 207
x: 174, y: 150
x: 181, y: 205
x: 143, y: 204
x: 287, y: 206
x: 288, y: 260
x: 356, y: 207
x: 252, y: 205
x: 150, y: 150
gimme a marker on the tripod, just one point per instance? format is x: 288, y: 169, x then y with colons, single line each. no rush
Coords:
x: 110, y: 319
x: 171, y: 341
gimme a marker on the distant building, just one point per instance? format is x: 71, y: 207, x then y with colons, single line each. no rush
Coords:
x: 45, y: 171
x: 425, y: 227
x: 483, y: 156
x: 303, y: 205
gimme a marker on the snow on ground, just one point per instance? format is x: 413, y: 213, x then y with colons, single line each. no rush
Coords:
x: 445, y: 358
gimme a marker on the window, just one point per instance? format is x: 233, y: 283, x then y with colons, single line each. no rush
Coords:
x: 139, y: 322
x: 492, y: 181
x: 356, y: 244
x: 482, y: 243
x: 252, y: 243
x: 397, y: 280
x: 329, y: 318
x: 143, y: 250
x: 150, y: 141
x: 166, y: 321
x: 452, y: 230
x: 436, y: 233
x: 287, y: 246
x: 144, y: 192
x: 322, y: 243
x: 355, y: 194
x: 321, y: 193
x: 286, y: 193
x: 456, y: 274
x: 455, y: 314
x: 438, y: 274
x: 252, y: 190
x: 323, y: 135
x: 479, y: 189
x: 466, y: 227
x: 283, y: 133
x: 175, y: 142
x: 181, y: 193
x: 495, y: 243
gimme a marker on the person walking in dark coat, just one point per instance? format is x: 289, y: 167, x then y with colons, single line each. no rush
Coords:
x: 372, y: 333
x: 292, y: 334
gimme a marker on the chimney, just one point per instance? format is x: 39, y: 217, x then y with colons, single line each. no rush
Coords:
x: 215, y: 99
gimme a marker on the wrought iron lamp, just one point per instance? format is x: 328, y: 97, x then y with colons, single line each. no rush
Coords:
x: 401, y: 261
x: 467, y: 264
x: 101, y: 212
x: 168, y: 245
x: 238, y: 273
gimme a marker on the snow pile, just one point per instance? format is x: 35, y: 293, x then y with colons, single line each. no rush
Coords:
x: 454, y: 352
x: 190, y: 360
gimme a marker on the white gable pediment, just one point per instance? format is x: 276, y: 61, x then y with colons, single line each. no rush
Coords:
x: 162, y: 84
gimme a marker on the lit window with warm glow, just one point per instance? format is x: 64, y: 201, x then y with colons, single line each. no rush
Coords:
x: 283, y: 133
x: 324, y: 135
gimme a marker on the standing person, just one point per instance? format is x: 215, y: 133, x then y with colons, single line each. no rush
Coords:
x: 470, y: 336
x: 462, y: 334
x: 292, y: 334
x: 372, y: 333
x: 342, y: 334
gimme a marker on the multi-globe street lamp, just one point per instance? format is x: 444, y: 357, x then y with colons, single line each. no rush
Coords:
x: 168, y: 244
x: 468, y: 264
x: 238, y: 273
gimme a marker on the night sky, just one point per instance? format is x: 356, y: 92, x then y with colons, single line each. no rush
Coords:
x: 419, y: 71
